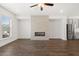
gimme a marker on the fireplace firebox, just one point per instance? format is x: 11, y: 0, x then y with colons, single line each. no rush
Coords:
x: 39, y: 33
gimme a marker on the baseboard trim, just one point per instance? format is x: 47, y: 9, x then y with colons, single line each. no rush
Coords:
x: 55, y: 39
x: 49, y: 38
x: 24, y: 38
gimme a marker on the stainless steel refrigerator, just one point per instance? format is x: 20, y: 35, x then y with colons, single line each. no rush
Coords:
x: 70, y: 29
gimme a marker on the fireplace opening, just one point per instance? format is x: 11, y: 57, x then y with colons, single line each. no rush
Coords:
x: 39, y: 33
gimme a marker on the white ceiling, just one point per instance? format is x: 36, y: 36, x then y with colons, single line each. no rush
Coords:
x: 59, y: 9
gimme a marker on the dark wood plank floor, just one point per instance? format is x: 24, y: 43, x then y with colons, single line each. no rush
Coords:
x: 41, y: 48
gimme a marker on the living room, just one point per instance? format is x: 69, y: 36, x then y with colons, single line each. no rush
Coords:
x: 42, y: 27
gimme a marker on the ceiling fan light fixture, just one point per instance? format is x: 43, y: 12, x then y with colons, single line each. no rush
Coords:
x: 41, y: 5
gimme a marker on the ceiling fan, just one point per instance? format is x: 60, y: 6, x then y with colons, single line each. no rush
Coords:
x: 41, y: 5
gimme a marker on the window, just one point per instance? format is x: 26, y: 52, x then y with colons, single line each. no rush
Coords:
x: 5, y: 20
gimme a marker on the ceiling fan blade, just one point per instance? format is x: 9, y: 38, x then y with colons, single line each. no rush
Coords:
x: 49, y: 4
x: 34, y: 5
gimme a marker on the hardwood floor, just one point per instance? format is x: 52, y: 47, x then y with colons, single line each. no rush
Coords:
x: 41, y: 48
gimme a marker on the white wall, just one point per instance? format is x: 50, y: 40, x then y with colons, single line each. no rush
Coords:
x: 58, y: 27
x: 13, y: 35
x: 24, y: 28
